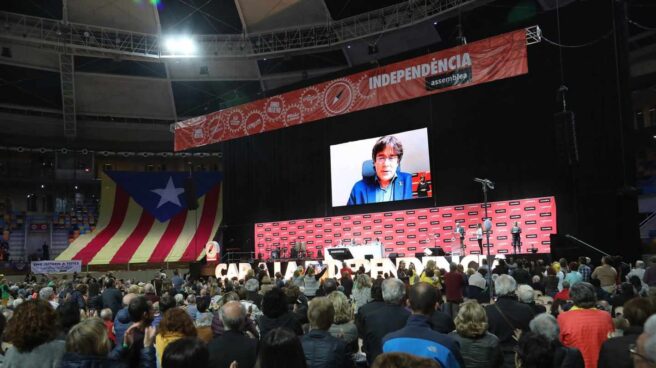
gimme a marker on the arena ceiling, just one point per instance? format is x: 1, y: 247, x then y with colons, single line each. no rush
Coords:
x: 121, y: 99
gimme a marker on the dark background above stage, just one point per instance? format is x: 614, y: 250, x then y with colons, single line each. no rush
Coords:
x: 504, y: 131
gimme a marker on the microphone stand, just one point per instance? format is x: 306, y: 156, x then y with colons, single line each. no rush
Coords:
x: 485, y: 184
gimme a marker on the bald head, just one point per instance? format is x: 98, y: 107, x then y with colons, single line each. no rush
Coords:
x: 423, y: 298
x: 233, y: 315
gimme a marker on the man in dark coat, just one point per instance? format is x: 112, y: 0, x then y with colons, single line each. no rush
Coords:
x: 111, y: 297
x: 232, y: 345
x: 322, y: 350
x: 506, y: 316
x: 388, y: 317
x: 615, y: 351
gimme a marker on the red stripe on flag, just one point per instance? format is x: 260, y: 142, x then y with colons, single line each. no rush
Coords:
x: 121, y: 201
x: 203, y: 232
x: 170, y: 236
x: 132, y: 243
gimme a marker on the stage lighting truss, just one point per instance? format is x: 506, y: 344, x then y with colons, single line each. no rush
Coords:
x: 82, y: 39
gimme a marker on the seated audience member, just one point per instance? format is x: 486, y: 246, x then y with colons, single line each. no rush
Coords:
x: 584, y: 327
x: 122, y: 319
x: 204, y: 320
x: 479, y: 348
x: 32, y: 333
x: 417, y: 337
x: 526, y: 295
x: 564, y: 293
x: 343, y: 327
x: 507, y: 315
x: 546, y: 325
x: 106, y: 316
x: 276, y: 314
x: 175, y: 324
x: 615, y: 351
x: 187, y: 352
x: 280, y: 348
x: 387, y: 317
x: 320, y: 348
x: 191, y: 308
x: 88, y: 345
x: 141, y: 314
x: 534, y: 351
x: 397, y: 360
x: 625, y: 294
x: 233, y: 345
x: 361, y: 293
x: 68, y: 315
x: 606, y: 274
x: 252, y: 287
x: 217, y: 324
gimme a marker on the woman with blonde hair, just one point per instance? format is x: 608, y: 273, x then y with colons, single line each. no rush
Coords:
x: 479, y: 348
x: 343, y: 326
x: 176, y: 324
x: 361, y: 293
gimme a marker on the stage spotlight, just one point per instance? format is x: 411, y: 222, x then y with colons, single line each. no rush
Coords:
x: 180, y: 45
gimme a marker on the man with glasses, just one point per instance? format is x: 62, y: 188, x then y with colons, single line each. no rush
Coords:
x: 388, y: 184
x: 644, y: 351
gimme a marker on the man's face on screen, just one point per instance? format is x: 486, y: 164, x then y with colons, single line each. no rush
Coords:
x: 386, y: 163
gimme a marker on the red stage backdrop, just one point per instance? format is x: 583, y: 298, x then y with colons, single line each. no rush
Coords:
x: 483, y: 61
x: 410, y: 231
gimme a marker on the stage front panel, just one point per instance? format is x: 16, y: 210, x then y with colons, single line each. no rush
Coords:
x: 408, y: 232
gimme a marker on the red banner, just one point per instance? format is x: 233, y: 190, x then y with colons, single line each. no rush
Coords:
x: 483, y: 61
x: 408, y: 232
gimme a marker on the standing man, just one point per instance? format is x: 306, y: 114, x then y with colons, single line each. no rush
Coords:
x: 388, y: 183
x: 516, y: 241
x: 422, y: 188
x: 46, y: 251
x: 460, y: 234
x: 418, y: 338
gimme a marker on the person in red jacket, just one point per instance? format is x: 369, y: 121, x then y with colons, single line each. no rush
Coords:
x: 563, y: 294
x: 584, y: 327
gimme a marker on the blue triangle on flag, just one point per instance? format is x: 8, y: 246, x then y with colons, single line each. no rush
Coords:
x: 162, y: 194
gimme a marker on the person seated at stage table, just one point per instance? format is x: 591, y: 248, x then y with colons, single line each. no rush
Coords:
x: 389, y: 183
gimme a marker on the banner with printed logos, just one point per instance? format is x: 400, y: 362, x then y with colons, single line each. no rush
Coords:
x: 408, y: 232
x: 56, y: 266
x: 483, y: 61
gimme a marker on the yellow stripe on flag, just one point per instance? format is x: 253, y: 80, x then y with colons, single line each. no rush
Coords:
x: 147, y: 246
x: 107, y: 198
x: 107, y: 252
x: 187, y: 233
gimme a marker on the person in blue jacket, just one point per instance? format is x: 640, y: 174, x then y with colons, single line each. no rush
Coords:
x: 389, y: 183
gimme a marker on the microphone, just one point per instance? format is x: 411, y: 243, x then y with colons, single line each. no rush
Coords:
x: 487, y: 182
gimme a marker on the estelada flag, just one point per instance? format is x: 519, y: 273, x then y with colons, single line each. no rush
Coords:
x: 144, y: 217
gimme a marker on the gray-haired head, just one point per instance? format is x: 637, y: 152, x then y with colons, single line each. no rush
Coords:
x: 233, y: 315
x: 640, y: 264
x: 583, y: 295
x: 149, y: 288
x: 179, y: 299
x: 191, y: 299
x: 252, y: 285
x: 649, y: 346
x: 546, y: 325
x: 46, y: 293
x: 505, y: 285
x: 393, y: 291
x: 525, y: 294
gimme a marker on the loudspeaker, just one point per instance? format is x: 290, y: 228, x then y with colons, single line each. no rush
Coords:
x: 566, y: 144
x: 190, y: 193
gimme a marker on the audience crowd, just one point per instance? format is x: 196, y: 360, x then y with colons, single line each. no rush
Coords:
x: 542, y: 315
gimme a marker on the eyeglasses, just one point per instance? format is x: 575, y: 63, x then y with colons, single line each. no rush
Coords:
x: 633, y: 350
x: 383, y: 158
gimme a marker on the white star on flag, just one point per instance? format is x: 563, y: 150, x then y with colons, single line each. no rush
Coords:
x: 169, y: 194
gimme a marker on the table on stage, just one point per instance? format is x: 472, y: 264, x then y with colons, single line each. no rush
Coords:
x: 358, y: 251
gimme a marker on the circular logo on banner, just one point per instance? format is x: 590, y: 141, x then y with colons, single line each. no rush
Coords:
x: 212, y: 251
x: 309, y: 100
x: 199, y: 130
x: 293, y: 116
x: 274, y: 107
x: 254, y: 122
x: 363, y: 88
x: 235, y: 121
x: 338, y: 97
x: 216, y: 128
